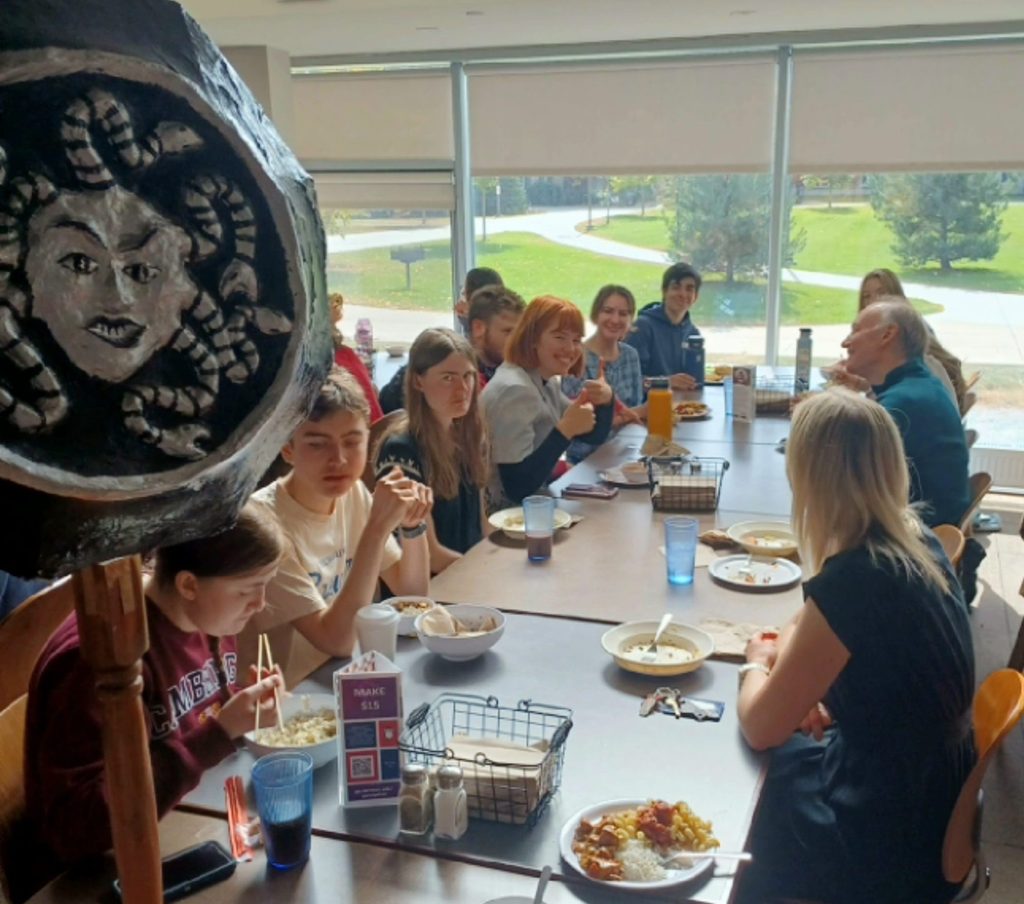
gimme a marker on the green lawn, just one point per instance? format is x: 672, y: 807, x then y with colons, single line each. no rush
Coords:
x: 534, y: 266
x: 848, y: 239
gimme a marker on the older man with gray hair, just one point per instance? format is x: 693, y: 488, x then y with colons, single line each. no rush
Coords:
x: 886, y: 347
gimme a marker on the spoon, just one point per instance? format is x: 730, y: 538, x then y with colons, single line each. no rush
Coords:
x: 705, y: 855
x: 651, y: 653
x: 545, y: 876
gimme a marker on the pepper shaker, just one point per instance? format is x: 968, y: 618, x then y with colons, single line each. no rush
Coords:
x: 415, y: 802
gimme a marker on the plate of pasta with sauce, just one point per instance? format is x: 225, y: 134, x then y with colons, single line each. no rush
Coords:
x: 622, y: 843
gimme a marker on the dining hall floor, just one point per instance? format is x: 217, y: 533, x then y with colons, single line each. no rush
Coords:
x: 997, y: 612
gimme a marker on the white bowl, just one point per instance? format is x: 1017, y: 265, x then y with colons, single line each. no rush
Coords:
x: 776, y: 537
x: 407, y: 617
x: 322, y: 752
x: 698, y: 643
x: 462, y: 649
x: 516, y: 529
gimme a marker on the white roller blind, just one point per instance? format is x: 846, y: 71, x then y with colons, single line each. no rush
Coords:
x: 939, y: 109
x: 694, y: 116
x: 403, y: 191
x: 378, y: 116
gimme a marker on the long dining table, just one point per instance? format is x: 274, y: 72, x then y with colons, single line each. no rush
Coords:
x: 608, y: 568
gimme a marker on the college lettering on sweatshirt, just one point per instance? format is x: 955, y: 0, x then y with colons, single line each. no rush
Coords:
x: 191, y: 690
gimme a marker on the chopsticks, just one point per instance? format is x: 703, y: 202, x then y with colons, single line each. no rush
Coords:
x: 264, y: 641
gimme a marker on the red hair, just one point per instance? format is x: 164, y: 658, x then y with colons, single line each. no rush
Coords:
x: 543, y: 313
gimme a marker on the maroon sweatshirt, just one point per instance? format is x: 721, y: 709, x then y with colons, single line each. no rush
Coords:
x: 65, y: 777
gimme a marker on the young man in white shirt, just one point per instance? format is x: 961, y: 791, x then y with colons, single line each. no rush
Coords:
x: 340, y: 537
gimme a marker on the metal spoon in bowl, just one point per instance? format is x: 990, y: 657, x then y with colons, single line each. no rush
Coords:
x: 651, y: 653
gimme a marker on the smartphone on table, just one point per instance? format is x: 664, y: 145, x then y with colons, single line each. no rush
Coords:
x: 192, y: 869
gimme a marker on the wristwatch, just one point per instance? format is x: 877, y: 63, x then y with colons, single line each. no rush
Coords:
x: 411, y: 533
x: 753, y: 667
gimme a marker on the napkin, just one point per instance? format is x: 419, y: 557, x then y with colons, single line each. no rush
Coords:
x: 731, y: 637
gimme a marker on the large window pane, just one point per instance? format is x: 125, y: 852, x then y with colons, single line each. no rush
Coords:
x: 568, y: 236
x: 393, y: 267
x: 957, y: 243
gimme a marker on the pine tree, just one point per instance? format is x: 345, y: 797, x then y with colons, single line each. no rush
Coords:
x: 943, y: 217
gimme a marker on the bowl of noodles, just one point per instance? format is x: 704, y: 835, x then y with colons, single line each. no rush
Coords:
x: 309, y: 725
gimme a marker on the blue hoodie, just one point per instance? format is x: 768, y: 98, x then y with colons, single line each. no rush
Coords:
x: 660, y: 343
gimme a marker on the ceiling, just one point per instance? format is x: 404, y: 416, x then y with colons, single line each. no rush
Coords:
x: 353, y: 28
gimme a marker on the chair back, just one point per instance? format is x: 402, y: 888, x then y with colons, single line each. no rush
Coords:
x: 23, y: 634
x: 971, y: 436
x: 979, y: 484
x: 377, y: 430
x: 952, y: 540
x: 998, y: 707
x: 969, y: 399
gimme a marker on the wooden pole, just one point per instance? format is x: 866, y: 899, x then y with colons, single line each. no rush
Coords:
x: 112, y: 626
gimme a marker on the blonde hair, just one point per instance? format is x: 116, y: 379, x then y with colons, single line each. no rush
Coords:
x: 460, y: 452
x: 848, y: 471
x: 891, y: 285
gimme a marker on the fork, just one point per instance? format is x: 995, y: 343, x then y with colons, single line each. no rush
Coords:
x: 651, y: 653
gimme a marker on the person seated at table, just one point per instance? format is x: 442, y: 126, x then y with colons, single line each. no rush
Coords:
x: 886, y: 348
x: 347, y: 359
x: 494, y: 312
x: 200, y: 594
x: 604, y: 352
x: 530, y: 420
x: 338, y: 537
x: 441, y: 441
x: 877, y: 670
x: 476, y: 278
x: 948, y: 368
x: 661, y: 331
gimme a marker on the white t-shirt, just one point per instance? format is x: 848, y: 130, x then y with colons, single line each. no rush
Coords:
x: 317, y: 559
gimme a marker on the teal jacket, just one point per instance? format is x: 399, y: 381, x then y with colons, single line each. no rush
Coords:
x: 933, y: 437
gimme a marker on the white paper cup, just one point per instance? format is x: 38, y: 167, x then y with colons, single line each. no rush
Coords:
x: 377, y: 629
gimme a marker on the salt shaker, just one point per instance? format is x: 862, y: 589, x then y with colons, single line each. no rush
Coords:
x: 415, y: 803
x: 451, y: 815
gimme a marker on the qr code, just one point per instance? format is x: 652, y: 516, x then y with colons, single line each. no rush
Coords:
x: 362, y: 767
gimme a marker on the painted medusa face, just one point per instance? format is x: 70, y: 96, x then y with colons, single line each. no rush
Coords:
x: 108, y: 279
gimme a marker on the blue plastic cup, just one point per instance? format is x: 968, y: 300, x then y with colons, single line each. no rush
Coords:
x: 680, y: 549
x: 283, y: 783
x: 539, y: 518
x: 727, y: 389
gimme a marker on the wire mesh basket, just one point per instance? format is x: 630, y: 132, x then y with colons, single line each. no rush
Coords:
x: 686, y: 484
x: 511, y: 757
x: 773, y: 394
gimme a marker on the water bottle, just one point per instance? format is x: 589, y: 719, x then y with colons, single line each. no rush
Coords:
x: 695, y: 359
x: 802, y: 380
x: 364, y: 343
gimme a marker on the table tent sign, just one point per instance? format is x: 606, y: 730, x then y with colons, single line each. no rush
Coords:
x: 744, y: 393
x: 368, y: 699
x: 163, y: 326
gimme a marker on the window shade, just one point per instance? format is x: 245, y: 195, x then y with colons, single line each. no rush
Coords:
x: 380, y: 190
x: 943, y: 108
x: 692, y: 116
x: 378, y: 117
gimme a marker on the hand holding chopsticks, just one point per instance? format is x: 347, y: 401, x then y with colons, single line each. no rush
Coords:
x: 264, y: 642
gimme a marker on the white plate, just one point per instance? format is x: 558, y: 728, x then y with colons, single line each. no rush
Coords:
x: 674, y: 878
x: 498, y: 519
x: 763, y: 575
x: 619, y: 478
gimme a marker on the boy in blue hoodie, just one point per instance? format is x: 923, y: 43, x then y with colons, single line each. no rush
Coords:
x: 663, y: 328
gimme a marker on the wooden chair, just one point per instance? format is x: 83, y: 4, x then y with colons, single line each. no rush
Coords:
x: 998, y: 707
x: 22, y: 637
x: 952, y: 540
x: 971, y: 436
x: 980, y: 484
x: 377, y: 431
x: 969, y: 399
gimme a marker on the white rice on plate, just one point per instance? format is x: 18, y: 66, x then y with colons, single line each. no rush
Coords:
x: 640, y: 863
